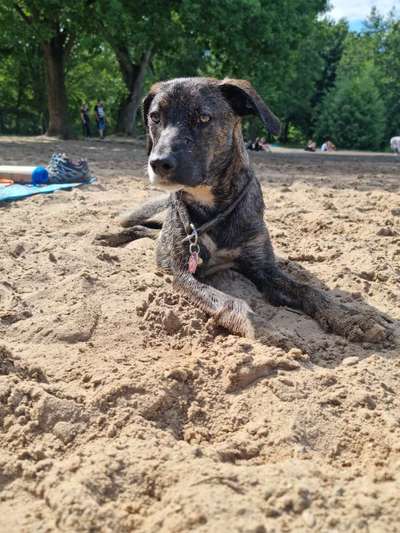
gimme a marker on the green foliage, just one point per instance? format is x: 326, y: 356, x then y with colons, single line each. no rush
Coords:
x: 266, y: 42
x: 353, y: 114
x: 296, y: 137
x: 22, y: 83
x: 330, y: 43
x: 93, y: 74
x: 22, y: 92
x: 362, y: 109
x: 390, y: 61
x: 316, y: 75
x: 385, y: 34
x: 44, y: 17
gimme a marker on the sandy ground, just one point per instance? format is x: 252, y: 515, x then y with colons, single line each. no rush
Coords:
x: 123, y: 408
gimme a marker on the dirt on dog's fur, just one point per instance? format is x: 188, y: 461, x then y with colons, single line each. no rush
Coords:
x: 122, y: 407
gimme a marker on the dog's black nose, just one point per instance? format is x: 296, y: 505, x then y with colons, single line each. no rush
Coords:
x: 163, y: 165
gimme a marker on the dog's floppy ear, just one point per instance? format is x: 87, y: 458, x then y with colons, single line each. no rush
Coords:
x: 145, y: 112
x: 245, y: 100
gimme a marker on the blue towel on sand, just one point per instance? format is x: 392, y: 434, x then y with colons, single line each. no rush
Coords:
x: 18, y: 192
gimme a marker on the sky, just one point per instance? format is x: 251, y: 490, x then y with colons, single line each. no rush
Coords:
x: 357, y: 10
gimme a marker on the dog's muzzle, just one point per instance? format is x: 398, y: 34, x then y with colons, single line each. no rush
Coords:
x: 163, y: 166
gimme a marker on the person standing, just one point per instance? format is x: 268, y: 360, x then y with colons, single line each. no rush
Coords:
x: 100, y: 118
x: 85, y: 120
x: 395, y: 145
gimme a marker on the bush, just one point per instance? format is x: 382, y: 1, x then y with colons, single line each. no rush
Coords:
x: 353, y: 114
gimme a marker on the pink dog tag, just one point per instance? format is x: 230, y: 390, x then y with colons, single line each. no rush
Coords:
x: 193, y: 262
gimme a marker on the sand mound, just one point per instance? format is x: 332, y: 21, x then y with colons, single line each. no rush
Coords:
x: 123, y: 407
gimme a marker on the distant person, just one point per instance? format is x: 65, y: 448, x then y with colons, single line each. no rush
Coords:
x: 257, y: 145
x: 254, y: 145
x: 395, y: 145
x: 85, y: 120
x: 100, y: 118
x: 264, y: 145
x: 311, y: 146
x: 328, y: 146
x: 331, y: 147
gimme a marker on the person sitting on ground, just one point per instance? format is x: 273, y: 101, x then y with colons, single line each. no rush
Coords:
x: 328, y: 146
x: 311, y: 146
x: 100, y: 118
x: 256, y: 145
x: 264, y: 145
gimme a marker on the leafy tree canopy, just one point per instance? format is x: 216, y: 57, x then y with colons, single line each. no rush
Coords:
x: 55, y: 54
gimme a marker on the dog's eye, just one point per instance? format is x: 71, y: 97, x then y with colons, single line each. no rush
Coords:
x: 204, y: 118
x: 155, y: 117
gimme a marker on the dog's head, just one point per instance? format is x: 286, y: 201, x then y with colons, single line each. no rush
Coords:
x: 194, y: 127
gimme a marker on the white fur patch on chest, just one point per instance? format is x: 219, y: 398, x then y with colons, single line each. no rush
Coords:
x: 201, y: 194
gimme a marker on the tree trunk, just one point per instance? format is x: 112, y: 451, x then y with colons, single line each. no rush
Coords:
x: 283, y: 138
x: 39, y: 88
x: 54, y: 55
x: 20, y: 90
x: 133, y: 76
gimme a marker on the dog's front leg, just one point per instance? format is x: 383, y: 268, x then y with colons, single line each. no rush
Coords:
x: 173, y: 255
x: 136, y: 224
x: 126, y: 235
x: 232, y: 313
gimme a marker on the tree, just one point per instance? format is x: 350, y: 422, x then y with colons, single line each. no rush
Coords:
x: 359, y: 108
x: 353, y: 113
x: 385, y: 35
x: 114, y: 49
x: 93, y: 73
x: 330, y: 42
x: 301, y: 81
x: 23, y: 106
x: 260, y: 40
x: 136, y: 31
x: 55, y: 26
x: 391, y: 67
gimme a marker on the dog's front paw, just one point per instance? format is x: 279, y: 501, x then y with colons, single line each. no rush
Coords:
x: 119, y: 237
x: 235, y: 316
x: 113, y: 238
x: 354, y: 325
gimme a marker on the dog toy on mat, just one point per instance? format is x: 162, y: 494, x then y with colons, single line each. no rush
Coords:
x: 60, y: 169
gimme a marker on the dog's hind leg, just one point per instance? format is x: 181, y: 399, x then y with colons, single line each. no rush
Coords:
x: 280, y: 289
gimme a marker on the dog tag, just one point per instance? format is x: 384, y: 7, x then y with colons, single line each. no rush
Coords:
x: 193, y: 262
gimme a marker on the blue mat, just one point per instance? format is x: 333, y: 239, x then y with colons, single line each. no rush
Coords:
x: 18, y: 192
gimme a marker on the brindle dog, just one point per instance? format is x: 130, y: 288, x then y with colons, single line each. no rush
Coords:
x: 196, y: 149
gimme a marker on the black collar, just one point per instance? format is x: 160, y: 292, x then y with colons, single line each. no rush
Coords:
x: 191, y: 230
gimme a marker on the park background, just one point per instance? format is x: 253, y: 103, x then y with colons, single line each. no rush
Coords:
x: 123, y: 407
x: 321, y: 75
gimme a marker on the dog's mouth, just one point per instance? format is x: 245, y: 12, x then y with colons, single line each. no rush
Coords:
x: 163, y: 182
x: 174, y: 181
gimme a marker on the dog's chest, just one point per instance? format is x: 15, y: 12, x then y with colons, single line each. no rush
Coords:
x: 215, y: 258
